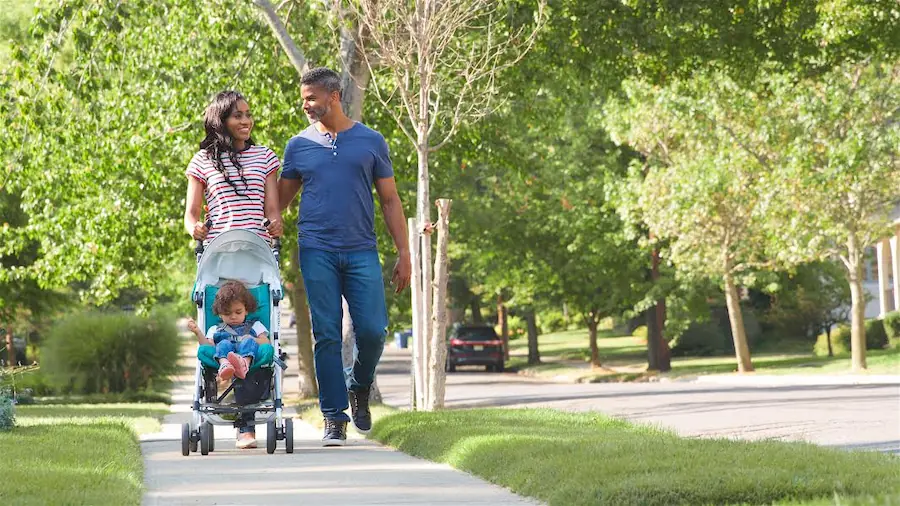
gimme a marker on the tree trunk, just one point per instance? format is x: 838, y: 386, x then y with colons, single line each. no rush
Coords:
x: 417, y: 388
x: 309, y: 388
x: 10, y: 350
x: 592, y: 323
x: 423, y: 217
x: 503, y: 323
x: 736, y: 318
x: 294, y: 54
x: 475, y: 306
x: 828, y: 339
x: 659, y: 354
x: 534, y: 355
x: 439, y: 322
x: 857, y: 305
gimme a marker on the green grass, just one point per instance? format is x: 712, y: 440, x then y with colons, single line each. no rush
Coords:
x: 86, y: 454
x: 565, y: 355
x: 580, y: 459
x: 308, y: 411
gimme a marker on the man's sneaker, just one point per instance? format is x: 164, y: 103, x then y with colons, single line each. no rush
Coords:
x: 359, y: 409
x: 335, y: 433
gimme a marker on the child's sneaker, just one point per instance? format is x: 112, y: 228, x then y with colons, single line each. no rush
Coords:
x: 226, y: 371
x: 246, y: 440
x: 239, y: 363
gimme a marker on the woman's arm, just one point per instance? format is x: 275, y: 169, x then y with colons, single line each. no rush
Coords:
x: 273, y: 212
x: 192, y: 207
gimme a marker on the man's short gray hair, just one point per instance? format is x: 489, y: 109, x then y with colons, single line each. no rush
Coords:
x: 324, y: 77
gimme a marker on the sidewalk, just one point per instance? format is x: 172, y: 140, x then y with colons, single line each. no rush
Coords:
x: 361, y: 473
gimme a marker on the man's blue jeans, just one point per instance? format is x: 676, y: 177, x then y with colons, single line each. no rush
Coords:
x: 357, y: 276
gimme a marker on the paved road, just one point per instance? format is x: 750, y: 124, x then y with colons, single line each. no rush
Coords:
x: 846, y: 416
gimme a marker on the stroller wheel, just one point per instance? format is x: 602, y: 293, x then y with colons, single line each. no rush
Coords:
x: 212, y: 437
x: 271, y: 437
x: 205, y: 436
x: 185, y: 439
x: 289, y: 435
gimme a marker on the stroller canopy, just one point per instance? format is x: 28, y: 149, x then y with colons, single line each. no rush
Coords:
x: 240, y: 255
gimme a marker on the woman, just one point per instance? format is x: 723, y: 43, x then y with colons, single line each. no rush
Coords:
x: 237, y: 179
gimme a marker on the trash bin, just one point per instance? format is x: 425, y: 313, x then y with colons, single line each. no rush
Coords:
x: 401, y: 339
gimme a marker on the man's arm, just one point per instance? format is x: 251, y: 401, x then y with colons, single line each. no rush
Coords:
x: 287, y: 190
x: 395, y: 220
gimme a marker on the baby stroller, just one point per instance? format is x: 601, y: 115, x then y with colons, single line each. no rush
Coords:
x: 243, y: 256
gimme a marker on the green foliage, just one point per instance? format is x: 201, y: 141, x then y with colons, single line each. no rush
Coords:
x: 713, y: 337
x: 7, y: 412
x: 876, y: 339
x: 97, y: 352
x: 892, y: 324
x: 640, y: 331
x: 551, y: 320
x: 804, y: 302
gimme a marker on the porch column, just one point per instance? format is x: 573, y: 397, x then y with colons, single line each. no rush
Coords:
x: 882, y: 250
x: 895, y: 266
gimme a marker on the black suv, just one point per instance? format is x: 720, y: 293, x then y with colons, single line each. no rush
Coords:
x: 471, y: 344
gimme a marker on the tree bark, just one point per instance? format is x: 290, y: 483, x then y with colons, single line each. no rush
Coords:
x: 857, y: 305
x: 659, y: 354
x: 439, y: 321
x: 736, y: 319
x: 417, y: 388
x: 592, y: 323
x: 828, y: 339
x: 534, y: 355
x: 309, y: 388
x: 475, y: 306
x: 10, y: 350
x: 503, y: 323
x: 423, y: 217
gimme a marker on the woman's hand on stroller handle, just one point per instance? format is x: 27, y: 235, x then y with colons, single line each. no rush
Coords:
x: 274, y: 227
x: 201, y: 229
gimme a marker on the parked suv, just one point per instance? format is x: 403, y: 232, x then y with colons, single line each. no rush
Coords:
x: 472, y: 344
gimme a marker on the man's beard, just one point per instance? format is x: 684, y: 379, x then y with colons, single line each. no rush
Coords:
x: 315, y: 114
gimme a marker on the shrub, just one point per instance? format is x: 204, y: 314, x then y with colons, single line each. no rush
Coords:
x: 700, y: 339
x: 516, y: 327
x: 892, y: 325
x: 876, y: 339
x: 111, y: 352
x: 552, y: 321
x: 640, y: 332
x: 7, y: 413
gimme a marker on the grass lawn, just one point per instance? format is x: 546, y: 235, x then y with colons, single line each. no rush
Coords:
x: 580, y: 459
x: 565, y: 355
x: 308, y: 411
x: 83, y: 454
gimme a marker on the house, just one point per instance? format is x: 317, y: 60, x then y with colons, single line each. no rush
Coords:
x: 881, y: 274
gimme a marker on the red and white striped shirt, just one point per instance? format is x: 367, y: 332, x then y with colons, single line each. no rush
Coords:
x: 229, y: 209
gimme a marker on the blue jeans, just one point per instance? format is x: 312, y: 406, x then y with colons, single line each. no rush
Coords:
x: 357, y: 276
x: 245, y: 348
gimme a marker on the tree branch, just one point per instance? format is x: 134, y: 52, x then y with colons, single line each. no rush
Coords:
x: 294, y: 54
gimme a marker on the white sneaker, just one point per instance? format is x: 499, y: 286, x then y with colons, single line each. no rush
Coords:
x: 246, y: 440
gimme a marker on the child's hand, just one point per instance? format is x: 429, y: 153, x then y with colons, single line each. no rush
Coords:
x: 192, y: 325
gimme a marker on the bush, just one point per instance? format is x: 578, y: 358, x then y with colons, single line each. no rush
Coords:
x: 111, y: 352
x: 876, y: 339
x: 551, y: 321
x: 892, y: 325
x: 640, y: 332
x: 516, y: 326
x: 714, y: 337
x: 700, y: 339
x: 7, y: 413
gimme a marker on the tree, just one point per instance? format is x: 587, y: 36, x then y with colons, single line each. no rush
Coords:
x: 434, y: 65
x: 842, y: 157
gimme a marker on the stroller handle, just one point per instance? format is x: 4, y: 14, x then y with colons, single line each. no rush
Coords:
x: 276, y: 241
x: 199, y: 248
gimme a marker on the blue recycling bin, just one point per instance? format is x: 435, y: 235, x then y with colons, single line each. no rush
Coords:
x: 401, y: 339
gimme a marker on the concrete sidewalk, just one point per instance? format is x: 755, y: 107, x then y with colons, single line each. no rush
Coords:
x: 361, y: 473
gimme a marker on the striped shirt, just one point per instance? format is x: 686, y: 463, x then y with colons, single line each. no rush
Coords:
x: 227, y: 208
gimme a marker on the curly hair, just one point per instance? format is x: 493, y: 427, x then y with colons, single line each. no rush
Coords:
x: 231, y: 292
x: 328, y: 79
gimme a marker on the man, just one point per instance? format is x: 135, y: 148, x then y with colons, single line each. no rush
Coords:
x: 337, y: 161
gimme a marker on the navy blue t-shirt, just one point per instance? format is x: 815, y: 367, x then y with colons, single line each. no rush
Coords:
x: 337, y: 209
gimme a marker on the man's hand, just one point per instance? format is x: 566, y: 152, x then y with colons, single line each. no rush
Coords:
x: 402, y: 272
